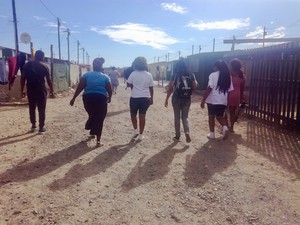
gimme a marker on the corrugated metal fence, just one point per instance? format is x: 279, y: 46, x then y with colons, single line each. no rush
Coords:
x: 274, y: 92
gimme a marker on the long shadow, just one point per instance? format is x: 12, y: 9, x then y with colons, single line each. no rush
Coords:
x: 10, y: 141
x: 279, y: 146
x: 42, y: 166
x: 103, y: 161
x: 213, y: 157
x: 117, y: 112
x: 154, y: 168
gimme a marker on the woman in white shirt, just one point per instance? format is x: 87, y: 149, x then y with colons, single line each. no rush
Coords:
x: 141, y: 83
x: 216, y: 97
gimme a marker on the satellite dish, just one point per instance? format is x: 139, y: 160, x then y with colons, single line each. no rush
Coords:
x: 25, y: 38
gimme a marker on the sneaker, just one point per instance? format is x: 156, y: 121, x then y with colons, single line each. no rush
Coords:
x: 42, y: 130
x: 136, y: 133
x: 140, y: 137
x: 188, y: 138
x: 176, y: 139
x: 33, y: 128
x: 225, y: 133
x: 211, y: 135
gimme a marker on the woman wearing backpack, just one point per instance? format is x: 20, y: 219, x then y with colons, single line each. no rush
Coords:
x: 216, y: 95
x: 182, y: 84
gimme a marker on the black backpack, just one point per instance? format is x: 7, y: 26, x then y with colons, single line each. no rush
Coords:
x: 184, y: 86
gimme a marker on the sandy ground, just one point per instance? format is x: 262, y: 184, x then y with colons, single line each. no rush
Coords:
x: 59, y: 178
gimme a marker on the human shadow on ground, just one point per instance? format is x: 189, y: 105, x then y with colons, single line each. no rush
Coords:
x: 42, y: 166
x: 117, y: 112
x: 213, y: 157
x: 154, y: 168
x: 16, y: 138
x: 278, y: 145
x: 100, y: 163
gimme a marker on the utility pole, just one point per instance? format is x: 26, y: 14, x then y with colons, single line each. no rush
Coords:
x: 58, y: 31
x: 199, y: 48
x: 83, y: 55
x: 264, y: 36
x: 179, y: 54
x: 78, y: 52
x: 68, y: 35
x: 87, y: 58
x: 233, y: 43
x: 214, y: 43
x: 16, y: 27
x: 192, y: 49
x: 51, y: 63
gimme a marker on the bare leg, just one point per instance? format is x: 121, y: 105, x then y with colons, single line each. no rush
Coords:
x: 142, y: 120
x: 222, y: 121
x: 232, y: 117
x: 134, y: 121
x: 211, y: 122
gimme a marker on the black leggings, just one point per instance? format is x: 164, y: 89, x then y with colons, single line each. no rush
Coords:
x: 96, y: 107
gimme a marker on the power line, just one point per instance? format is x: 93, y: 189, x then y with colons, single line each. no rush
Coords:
x: 48, y: 9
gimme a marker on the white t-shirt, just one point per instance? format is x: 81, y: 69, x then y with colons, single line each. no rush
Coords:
x: 141, y: 81
x: 215, y: 97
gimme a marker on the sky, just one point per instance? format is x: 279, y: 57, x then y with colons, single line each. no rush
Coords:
x: 121, y: 30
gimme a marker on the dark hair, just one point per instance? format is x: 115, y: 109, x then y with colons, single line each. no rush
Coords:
x: 236, y: 66
x: 140, y: 64
x: 224, y: 80
x: 181, y: 68
x: 97, y: 64
x: 39, y: 55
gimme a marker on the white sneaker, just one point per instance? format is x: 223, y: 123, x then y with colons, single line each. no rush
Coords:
x: 140, y: 137
x: 135, y: 133
x: 225, y: 132
x: 211, y: 135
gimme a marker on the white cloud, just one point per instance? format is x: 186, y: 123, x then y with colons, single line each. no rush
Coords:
x: 278, y: 33
x: 258, y: 33
x: 231, y: 24
x: 174, y: 8
x: 39, y: 18
x: 132, y: 33
x: 52, y: 24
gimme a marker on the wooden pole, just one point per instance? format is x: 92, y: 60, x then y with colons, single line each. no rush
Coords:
x: 15, y: 26
x: 58, y: 32
x: 51, y: 62
x: 78, y: 52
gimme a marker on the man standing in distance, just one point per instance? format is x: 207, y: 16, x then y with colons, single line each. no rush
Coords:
x: 34, y: 73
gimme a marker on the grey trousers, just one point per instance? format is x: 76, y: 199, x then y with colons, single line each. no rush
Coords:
x: 181, y: 107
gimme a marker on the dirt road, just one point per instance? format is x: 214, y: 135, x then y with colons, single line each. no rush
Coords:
x: 59, y: 178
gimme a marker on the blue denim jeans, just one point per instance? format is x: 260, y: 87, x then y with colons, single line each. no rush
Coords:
x: 181, y: 107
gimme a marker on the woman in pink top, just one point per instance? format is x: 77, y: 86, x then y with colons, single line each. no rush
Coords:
x: 236, y: 96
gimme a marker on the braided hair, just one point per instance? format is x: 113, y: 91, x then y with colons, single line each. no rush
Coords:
x: 224, y: 80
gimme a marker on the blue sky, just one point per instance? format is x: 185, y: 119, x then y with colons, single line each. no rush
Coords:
x: 120, y: 30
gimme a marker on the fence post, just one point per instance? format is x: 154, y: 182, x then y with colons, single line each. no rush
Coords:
x: 298, y: 108
x: 51, y: 63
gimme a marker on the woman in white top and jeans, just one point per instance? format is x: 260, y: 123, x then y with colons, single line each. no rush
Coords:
x: 141, y: 83
x: 216, y: 97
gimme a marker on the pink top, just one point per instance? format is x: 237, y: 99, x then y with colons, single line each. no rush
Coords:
x: 234, y: 98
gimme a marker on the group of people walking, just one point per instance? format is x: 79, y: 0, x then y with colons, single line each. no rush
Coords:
x: 225, y: 89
